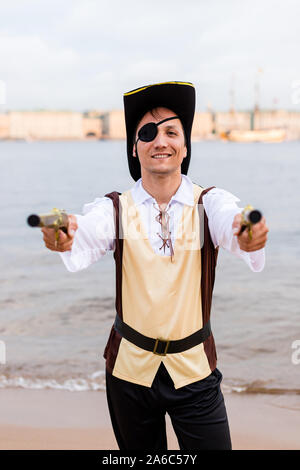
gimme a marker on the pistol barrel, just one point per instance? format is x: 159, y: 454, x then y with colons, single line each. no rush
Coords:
x: 56, y: 219
x: 252, y: 216
x: 34, y: 220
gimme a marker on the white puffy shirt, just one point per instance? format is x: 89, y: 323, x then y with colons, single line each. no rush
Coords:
x: 96, y: 229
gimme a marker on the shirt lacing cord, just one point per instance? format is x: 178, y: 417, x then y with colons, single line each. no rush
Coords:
x: 163, y: 218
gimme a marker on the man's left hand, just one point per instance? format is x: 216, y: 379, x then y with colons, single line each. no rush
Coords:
x: 259, y: 234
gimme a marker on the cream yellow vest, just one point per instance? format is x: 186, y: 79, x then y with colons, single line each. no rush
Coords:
x: 160, y: 298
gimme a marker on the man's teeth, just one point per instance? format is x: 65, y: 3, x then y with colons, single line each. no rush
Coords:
x: 161, y: 156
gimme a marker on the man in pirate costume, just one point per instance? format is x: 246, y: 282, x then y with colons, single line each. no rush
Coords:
x: 165, y: 233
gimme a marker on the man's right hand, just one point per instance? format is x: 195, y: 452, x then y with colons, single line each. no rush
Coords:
x: 65, y: 241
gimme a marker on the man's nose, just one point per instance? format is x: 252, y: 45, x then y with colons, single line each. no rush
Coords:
x: 160, y: 140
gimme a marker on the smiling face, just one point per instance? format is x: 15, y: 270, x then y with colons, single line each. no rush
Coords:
x: 164, y: 154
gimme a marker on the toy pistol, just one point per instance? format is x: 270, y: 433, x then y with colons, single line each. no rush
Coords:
x: 57, y: 219
x: 250, y: 216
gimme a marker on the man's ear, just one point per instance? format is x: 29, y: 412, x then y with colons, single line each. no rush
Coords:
x: 185, y: 151
x: 133, y: 150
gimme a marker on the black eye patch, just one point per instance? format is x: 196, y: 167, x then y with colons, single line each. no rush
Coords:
x: 148, y: 132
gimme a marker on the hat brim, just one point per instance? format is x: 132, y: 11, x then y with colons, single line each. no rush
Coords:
x: 176, y: 96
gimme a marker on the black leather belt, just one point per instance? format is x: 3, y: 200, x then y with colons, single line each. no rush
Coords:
x: 160, y: 346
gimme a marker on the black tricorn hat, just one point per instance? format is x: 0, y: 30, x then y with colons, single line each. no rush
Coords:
x: 176, y: 96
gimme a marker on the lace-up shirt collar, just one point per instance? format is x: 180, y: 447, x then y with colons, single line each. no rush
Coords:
x: 162, y: 220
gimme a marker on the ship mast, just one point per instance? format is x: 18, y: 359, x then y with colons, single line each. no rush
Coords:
x: 232, y: 94
x: 257, y: 91
x: 256, y: 100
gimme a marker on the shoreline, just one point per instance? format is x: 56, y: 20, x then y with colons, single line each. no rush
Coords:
x: 51, y: 419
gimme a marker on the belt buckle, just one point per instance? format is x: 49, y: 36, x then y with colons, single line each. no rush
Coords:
x: 166, y: 348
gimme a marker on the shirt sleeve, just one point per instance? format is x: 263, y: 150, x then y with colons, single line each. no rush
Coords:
x: 221, y: 207
x: 94, y: 237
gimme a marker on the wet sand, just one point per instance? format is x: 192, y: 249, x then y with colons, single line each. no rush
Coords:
x: 50, y: 419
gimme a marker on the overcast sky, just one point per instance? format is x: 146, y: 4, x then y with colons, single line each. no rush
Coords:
x: 85, y: 54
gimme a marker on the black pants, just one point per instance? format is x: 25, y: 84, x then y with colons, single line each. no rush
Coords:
x: 197, y: 412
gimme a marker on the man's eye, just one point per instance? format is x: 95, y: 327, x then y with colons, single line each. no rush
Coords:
x: 172, y: 133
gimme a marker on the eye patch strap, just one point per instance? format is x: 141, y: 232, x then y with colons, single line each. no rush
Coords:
x: 167, y: 119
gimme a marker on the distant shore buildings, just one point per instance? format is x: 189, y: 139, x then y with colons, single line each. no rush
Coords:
x: 95, y: 125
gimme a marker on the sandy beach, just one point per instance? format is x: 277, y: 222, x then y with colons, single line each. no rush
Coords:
x: 50, y: 419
